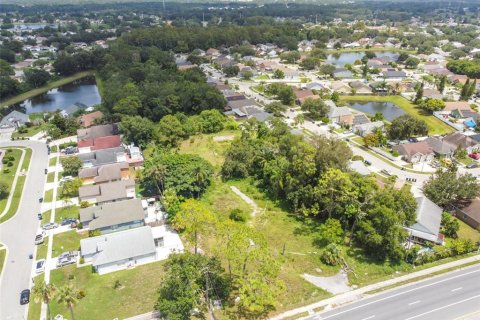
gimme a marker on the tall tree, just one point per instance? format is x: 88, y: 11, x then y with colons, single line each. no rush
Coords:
x: 45, y: 293
x: 68, y: 295
x: 194, y: 219
x: 441, y: 83
x: 446, y: 187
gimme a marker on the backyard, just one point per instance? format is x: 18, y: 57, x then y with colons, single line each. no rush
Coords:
x: 435, y: 126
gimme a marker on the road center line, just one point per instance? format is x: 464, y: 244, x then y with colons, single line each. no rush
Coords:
x: 401, y: 293
x: 371, y: 317
x: 414, y: 302
x: 456, y: 289
x: 447, y: 306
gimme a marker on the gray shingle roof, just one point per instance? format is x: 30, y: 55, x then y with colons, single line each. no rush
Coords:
x: 429, y: 216
x: 107, y: 191
x: 119, y: 246
x: 102, y: 157
x: 14, y: 119
x: 111, y: 214
x: 338, y: 112
x: 108, y: 172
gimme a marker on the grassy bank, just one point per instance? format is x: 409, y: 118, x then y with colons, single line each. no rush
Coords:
x: 9, y: 176
x: 435, y: 126
x: 51, y: 85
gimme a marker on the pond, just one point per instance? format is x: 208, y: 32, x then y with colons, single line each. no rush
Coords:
x: 390, y: 110
x: 341, y: 59
x: 70, y: 97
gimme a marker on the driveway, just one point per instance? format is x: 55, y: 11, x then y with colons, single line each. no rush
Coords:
x: 19, y: 232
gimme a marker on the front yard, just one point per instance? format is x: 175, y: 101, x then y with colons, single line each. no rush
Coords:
x: 67, y: 241
x: 66, y: 212
x: 102, y: 300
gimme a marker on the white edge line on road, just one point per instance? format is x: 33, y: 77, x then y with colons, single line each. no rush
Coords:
x: 400, y: 293
x: 456, y: 289
x: 414, y: 302
x: 447, y: 306
x: 371, y: 317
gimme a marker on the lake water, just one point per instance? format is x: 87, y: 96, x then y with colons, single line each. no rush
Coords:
x: 341, y: 59
x: 390, y: 110
x: 69, y: 97
x: 33, y: 26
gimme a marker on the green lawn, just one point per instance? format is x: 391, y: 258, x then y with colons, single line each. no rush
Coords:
x: 52, y: 162
x: 102, y: 301
x: 34, y: 308
x: 66, y: 212
x: 207, y: 148
x: 262, y: 77
x: 435, y: 126
x: 51, y: 85
x: 26, y: 161
x: 467, y: 232
x: 51, y: 177
x: 345, y: 50
x: 42, y: 250
x: 67, y: 241
x: 8, y: 177
x: 48, y: 197
x: 30, y: 131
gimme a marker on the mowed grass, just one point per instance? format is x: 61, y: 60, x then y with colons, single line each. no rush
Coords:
x: 137, y: 295
x: 52, y: 162
x: 48, y: 197
x: 50, y: 177
x: 30, y: 131
x: 467, y: 232
x: 67, y: 241
x: 66, y: 212
x: 35, y: 308
x: 7, y: 177
x: 435, y: 126
x: 205, y: 146
x: 3, y: 254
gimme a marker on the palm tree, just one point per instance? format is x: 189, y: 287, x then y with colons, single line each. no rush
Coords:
x: 45, y: 293
x: 68, y: 295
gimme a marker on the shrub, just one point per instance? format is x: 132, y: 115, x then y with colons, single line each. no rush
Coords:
x: 82, y: 260
x: 6, y: 170
x: 331, y: 255
x: 94, y: 233
x: 84, y: 204
x: 117, y: 284
x: 357, y: 158
x: 238, y: 215
x: 9, y: 164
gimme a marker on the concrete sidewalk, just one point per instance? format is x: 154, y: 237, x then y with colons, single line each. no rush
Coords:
x: 357, y: 294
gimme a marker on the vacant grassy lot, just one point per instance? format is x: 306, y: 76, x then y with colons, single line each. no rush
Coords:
x: 435, y: 126
x: 102, y: 301
x: 66, y: 212
x: 209, y: 149
x: 67, y: 241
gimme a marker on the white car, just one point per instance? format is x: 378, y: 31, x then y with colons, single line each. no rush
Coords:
x: 39, y: 238
x: 387, y: 172
x: 66, y: 178
x: 40, y: 266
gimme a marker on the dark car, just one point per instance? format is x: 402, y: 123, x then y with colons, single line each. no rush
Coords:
x: 46, y: 171
x: 40, y: 200
x: 368, y: 163
x: 25, y: 297
x: 39, y: 215
x: 68, y: 221
x: 472, y: 166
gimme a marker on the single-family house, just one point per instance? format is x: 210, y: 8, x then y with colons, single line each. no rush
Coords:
x: 105, y: 173
x: 458, y: 139
x: 394, y: 75
x: 340, y: 115
x: 340, y: 87
x: 14, y: 120
x: 341, y: 73
x: 212, y: 52
x: 360, y: 87
x: 470, y: 213
x: 415, y: 152
x: 432, y: 94
x: 441, y: 148
x: 88, y: 119
x: 100, y: 143
x: 360, y: 118
x: 248, y: 112
x: 97, y: 132
x: 236, y: 104
x: 301, y: 95
x: 101, y: 157
x: 119, y: 250
x: 364, y: 129
x: 464, y: 114
x: 108, y: 192
x: 427, y: 224
x: 314, y: 86
x: 114, y: 216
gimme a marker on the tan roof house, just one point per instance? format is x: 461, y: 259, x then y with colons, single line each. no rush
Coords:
x: 416, y: 152
x: 105, y: 173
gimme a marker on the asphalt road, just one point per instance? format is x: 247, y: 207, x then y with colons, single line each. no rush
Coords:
x: 18, y: 234
x: 447, y: 297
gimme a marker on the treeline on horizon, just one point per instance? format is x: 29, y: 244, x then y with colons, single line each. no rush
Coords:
x: 321, y: 12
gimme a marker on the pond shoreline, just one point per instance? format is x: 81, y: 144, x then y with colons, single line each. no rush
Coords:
x: 52, y: 85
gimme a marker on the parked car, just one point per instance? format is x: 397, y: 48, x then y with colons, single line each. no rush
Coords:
x: 386, y: 172
x: 46, y: 171
x: 39, y: 238
x: 49, y: 226
x: 368, y: 163
x: 65, y: 260
x: 68, y: 221
x: 40, y: 200
x: 25, y: 297
x: 66, y: 178
x: 66, y: 254
x: 40, y: 266
x: 40, y: 216
x: 472, y: 166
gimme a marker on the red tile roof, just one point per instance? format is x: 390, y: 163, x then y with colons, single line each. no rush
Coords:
x: 88, y: 119
x: 101, y: 143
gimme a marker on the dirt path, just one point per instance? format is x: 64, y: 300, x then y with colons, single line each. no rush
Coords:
x: 247, y: 199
